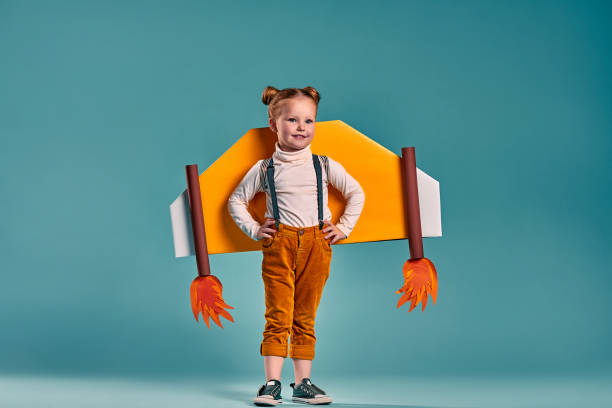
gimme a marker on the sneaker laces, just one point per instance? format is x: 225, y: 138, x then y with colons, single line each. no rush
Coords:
x: 310, y: 388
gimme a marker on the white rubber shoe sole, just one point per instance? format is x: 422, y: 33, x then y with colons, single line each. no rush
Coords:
x: 317, y: 400
x: 267, y: 401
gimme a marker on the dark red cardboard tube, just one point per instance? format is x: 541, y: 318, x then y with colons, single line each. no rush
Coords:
x: 411, y: 203
x: 197, y: 219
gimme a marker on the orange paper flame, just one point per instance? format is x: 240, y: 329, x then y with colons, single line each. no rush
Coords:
x: 206, y: 298
x: 420, y: 280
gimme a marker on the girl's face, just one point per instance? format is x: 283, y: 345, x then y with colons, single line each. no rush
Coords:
x: 295, y: 126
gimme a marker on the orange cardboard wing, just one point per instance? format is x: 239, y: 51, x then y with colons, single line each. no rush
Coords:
x: 376, y: 168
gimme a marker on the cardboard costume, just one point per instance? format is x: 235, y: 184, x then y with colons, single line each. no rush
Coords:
x: 402, y: 202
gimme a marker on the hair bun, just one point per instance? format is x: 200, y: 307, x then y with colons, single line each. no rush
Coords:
x: 274, y: 97
x: 313, y: 93
x: 269, y: 93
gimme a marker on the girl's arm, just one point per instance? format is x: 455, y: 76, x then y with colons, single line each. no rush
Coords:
x: 238, y: 203
x: 352, y: 193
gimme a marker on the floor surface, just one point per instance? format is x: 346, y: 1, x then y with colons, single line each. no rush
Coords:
x: 392, y: 392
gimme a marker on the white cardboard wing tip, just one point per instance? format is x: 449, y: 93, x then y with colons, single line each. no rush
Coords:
x: 429, y: 205
x: 181, y: 226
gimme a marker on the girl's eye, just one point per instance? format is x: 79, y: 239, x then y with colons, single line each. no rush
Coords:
x: 294, y: 120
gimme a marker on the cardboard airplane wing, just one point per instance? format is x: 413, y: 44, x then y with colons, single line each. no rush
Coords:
x: 382, y: 174
x: 377, y: 169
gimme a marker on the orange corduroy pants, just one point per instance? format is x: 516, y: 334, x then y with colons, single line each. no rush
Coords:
x: 295, y: 268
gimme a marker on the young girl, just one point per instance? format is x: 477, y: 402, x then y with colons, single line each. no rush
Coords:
x: 296, y: 237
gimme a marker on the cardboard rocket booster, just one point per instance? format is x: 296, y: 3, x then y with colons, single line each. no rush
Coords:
x: 400, y: 199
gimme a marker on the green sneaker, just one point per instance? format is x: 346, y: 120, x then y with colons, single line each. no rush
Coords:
x: 269, y: 394
x: 308, y: 393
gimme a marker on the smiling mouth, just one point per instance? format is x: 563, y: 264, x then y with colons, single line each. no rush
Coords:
x: 299, y: 136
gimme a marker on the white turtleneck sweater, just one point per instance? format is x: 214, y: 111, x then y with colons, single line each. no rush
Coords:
x: 296, y: 192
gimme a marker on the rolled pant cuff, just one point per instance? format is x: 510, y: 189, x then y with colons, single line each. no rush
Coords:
x: 302, y: 351
x: 273, y: 349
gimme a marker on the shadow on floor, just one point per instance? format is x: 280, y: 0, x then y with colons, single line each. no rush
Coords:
x: 246, y: 398
x: 379, y: 406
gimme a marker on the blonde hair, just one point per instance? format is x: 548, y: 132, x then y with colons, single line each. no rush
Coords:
x: 273, y: 97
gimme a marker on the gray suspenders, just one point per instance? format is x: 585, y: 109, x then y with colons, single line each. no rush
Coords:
x: 270, y: 171
x: 317, y: 167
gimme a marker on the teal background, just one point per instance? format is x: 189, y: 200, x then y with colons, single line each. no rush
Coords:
x: 508, y: 105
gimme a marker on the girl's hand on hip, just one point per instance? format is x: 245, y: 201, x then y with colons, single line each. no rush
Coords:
x: 265, y: 230
x: 333, y: 233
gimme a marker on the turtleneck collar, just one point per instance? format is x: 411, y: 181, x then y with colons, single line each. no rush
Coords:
x: 298, y: 155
